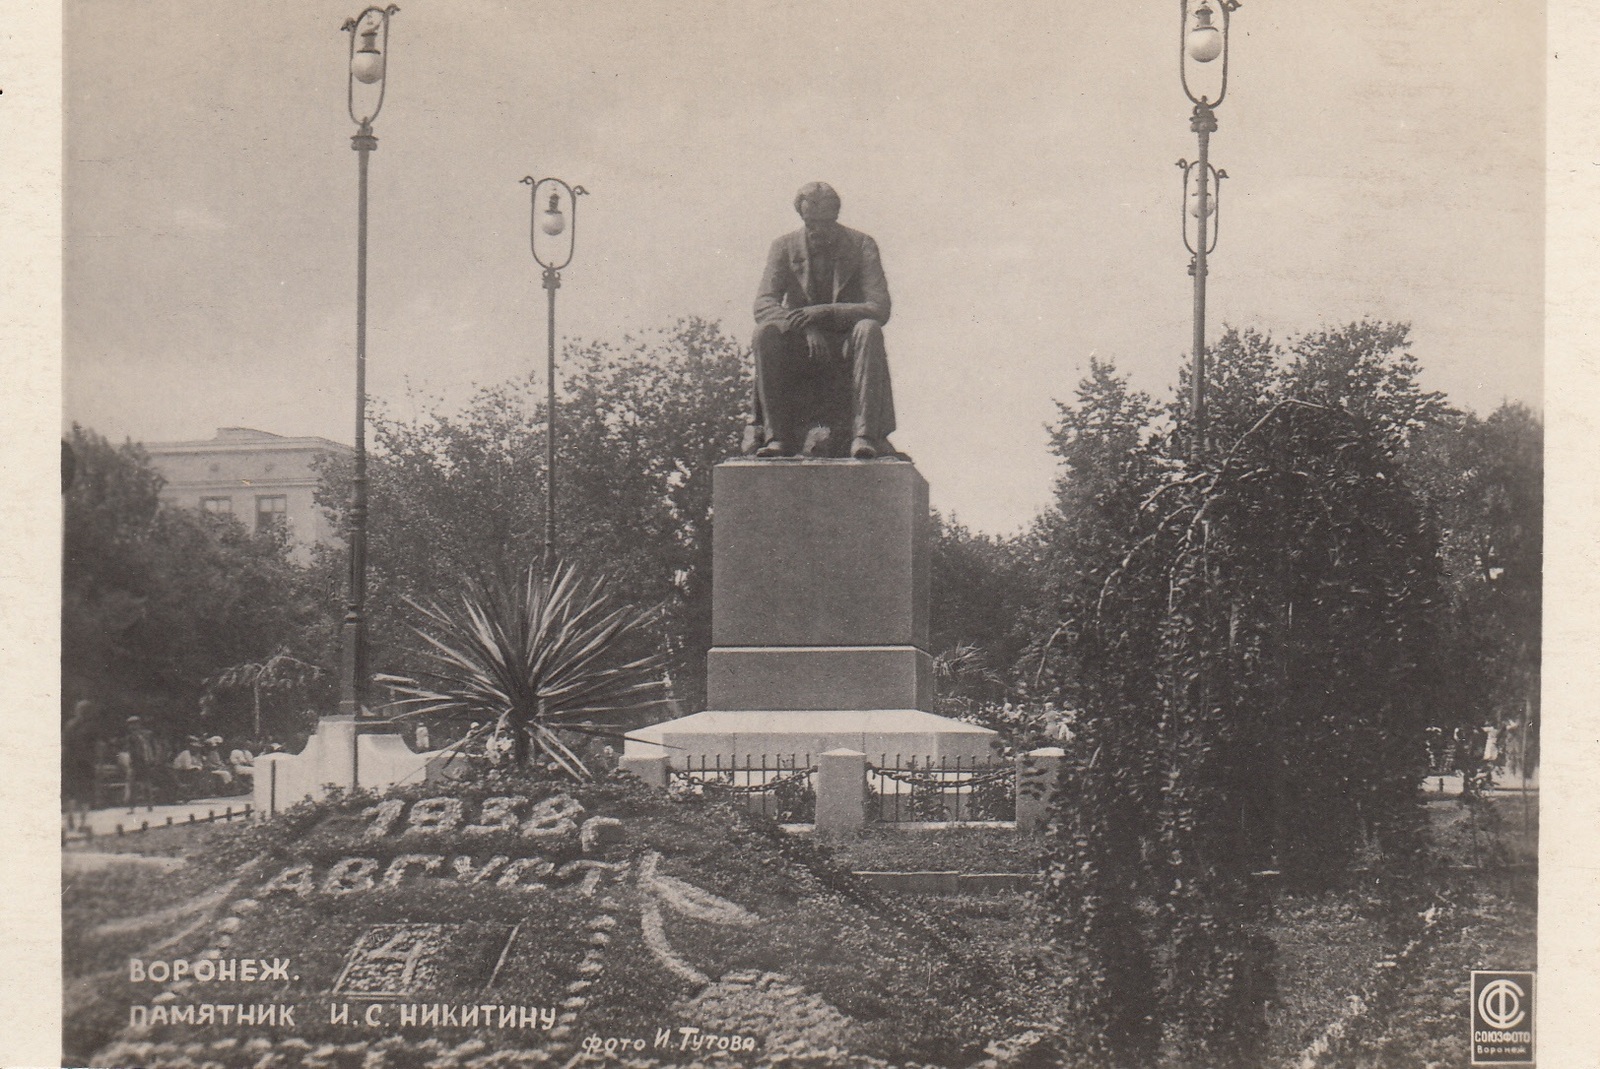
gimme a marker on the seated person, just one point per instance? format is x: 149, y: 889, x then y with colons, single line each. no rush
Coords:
x: 187, y: 769
x: 241, y: 762
x: 216, y: 769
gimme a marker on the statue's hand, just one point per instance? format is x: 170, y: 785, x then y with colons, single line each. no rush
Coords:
x: 804, y: 318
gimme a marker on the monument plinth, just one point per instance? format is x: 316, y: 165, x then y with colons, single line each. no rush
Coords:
x: 819, y: 618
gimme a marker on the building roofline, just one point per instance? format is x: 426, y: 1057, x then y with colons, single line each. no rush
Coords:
x: 267, y: 485
x: 273, y: 443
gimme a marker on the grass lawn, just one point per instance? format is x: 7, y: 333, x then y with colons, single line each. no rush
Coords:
x: 947, y: 850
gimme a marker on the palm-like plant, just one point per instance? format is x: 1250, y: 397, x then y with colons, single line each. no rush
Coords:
x: 533, y: 656
x: 282, y: 671
x: 964, y: 679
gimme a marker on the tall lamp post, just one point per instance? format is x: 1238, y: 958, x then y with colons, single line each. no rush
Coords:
x: 552, y: 255
x: 369, y: 52
x: 1202, y: 42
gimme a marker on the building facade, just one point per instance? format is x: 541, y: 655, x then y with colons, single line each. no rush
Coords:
x: 261, y: 479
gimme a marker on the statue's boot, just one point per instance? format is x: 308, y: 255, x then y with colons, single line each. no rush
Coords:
x: 864, y: 448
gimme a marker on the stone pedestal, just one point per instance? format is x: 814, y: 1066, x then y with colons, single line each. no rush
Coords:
x: 819, y: 553
x: 819, y: 586
x: 819, y: 619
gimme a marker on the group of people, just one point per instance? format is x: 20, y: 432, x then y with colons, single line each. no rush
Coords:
x: 133, y: 764
x: 200, y: 769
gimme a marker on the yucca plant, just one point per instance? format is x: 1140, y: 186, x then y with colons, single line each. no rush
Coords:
x: 535, y: 657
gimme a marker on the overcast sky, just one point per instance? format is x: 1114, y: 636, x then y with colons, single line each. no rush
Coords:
x: 1014, y: 161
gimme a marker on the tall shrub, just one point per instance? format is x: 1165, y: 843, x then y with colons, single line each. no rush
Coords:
x: 1253, y: 677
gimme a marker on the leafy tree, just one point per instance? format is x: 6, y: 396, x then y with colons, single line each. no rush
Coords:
x: 156, y: 600
x: 1484, y: 481
x: 1253, y: 674
x: 1367, y: 370
x: 109, y: 510
x: 655, y: 416
x: 640, y: 425
x: 975, y: 628
x: 282, y: 673
x: 1111, y: 457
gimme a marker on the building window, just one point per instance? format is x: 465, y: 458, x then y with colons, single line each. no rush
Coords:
x: 271, y: 511
x: 223, y: 505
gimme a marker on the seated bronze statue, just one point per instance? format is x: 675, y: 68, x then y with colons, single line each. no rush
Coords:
x: 821, y: 372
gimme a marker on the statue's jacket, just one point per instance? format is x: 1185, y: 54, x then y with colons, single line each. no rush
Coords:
x: 858, y: 280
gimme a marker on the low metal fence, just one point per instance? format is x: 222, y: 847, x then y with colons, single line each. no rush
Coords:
x: 903, y: 790
x: 781, y: 787
x: 148, y: 821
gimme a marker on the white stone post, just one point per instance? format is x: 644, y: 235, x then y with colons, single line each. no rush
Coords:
x: 1038, y: 772
x: 841, y: 792
x: 651, y: 769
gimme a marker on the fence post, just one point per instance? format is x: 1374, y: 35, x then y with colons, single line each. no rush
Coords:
x: 841, y: 792
x: 1037, y: 774
x: 653, y: 770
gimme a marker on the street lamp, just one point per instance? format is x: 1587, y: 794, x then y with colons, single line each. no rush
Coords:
x: 369, y: 52
x: 1201, y: 43
x: 553, y: 255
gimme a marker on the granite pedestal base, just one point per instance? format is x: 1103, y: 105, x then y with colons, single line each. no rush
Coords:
x: 819, y: 620
x: 819, y: 677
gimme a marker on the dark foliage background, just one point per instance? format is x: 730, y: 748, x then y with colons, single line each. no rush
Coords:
x: 160, y: 601
x: 1255, y: 640
x: 157, y: 600
x: 640, y: 424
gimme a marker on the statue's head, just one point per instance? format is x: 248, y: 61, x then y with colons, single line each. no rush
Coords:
x: 818, y: 205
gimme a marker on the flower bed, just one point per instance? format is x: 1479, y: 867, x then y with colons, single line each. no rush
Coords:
x: 595, y: 911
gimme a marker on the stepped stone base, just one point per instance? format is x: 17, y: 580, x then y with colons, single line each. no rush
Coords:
x: 819, y: 677
x: 734, y: 736
x: 819, y: 622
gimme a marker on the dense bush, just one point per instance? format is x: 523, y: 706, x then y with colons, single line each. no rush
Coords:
x: 156, y: 601
x: 1254, y: 675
